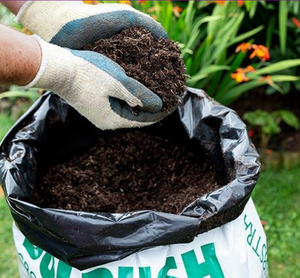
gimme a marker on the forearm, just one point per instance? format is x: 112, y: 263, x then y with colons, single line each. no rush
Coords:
x: 20, y: 57
x: 13, y: 6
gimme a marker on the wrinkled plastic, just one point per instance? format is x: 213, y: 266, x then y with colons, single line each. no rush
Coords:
x: 52, y: 131
x: 237, y: 249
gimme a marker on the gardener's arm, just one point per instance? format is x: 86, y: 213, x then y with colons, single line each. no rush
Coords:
x: 94, y: 85
x: 20, y: 57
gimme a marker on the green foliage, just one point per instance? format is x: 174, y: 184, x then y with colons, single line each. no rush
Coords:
x: 19, y: 101
x: 8, y: 254
x: 281, y: 36
x: 283, y: 12
x: 17, y: 92
x: 268, y: 124
x: 208, y: 35
x: 16, y: 107
x: 5, y: 124
x: 276, y: 197
x: 6, y: 17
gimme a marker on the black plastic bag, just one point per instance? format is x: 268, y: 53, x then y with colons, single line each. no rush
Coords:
x: 52, y: 130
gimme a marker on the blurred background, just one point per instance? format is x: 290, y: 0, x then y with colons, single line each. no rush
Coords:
x: 246, y: 55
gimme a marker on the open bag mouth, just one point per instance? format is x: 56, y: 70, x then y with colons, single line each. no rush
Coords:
x: 51, y: 130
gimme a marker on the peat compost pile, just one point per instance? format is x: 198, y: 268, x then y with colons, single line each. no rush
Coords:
x: 156, y: 63
x: 125, y: 172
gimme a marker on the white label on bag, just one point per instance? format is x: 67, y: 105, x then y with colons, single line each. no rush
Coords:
x: 235, y: 250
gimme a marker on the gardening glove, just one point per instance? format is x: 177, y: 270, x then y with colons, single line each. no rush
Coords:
x: 75, y: 24
x: 97, y: 87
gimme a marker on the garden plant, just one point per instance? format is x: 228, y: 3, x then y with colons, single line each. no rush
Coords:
x: 241, y: 53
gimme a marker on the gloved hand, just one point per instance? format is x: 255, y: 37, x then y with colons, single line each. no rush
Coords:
x: 96, y: 86
x: 75, y: 24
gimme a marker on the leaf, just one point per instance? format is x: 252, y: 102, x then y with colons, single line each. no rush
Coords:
x: 194, y: 38
x: 264, y: 120
x: 248, y: 5
x: 221, y: 44
x: 212, y: 27
x: 238, y: 90
x: 253, y: 8
x: 246, y: 35
x: 283, y: 13
x: 270, y: 30
x: 284, y: 78
x: 234, y: 65
x: 289, y: 118
x: 257, y: 117
x: 207, y: 70
x: 277, y: 88
x: 271, y: 127
x: 18, y: 93
x: 282, y: 65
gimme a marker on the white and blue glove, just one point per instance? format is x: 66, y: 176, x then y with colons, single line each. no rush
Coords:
x: 93, y: 84
x: 96, y: 87
x: 75, y: 24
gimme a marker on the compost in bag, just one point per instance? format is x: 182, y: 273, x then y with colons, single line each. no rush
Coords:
x: 128, y: 171
x: 52, y: 132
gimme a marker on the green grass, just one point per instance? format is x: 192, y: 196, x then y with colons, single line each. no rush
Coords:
x: 5, y: 123
x: 277, y: 198
x: 8, y: 257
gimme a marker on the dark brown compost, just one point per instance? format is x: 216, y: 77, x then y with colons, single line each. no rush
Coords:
x: 156, y: 63
x: 127, y: 172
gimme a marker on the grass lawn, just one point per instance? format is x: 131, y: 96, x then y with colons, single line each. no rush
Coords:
x: 277, y: 198
x: 8, y: 258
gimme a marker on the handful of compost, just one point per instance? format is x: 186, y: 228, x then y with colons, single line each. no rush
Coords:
x: 96, y: 86
x: 154, y: 62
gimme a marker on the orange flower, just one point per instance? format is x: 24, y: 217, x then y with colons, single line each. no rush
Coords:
x: 177, y: 10
x: 250, y: 69
x: 26, y: 31
x: 260, y: 51
x: 268, y: 79
x: 142, y: 1
x: 222, y: 2
x: 91, y: 2
x: 241, y: 3
x: 240, y: 74
x: 125, y: 2
x: 296, y: 22
x: 243, y: 47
